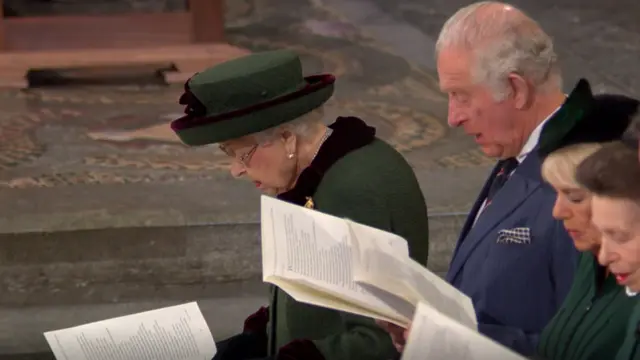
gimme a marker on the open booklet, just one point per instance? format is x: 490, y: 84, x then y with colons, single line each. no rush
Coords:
x: 435, y: 336
x: 336, y: 263
x: 172, y: 333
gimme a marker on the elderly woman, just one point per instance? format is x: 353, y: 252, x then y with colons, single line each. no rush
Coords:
x: 612, y: 175
x: 268, y: 119
x: 591, y: 323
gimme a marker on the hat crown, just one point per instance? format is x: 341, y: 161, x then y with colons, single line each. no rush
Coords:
x: 247, y: 81
x: 587, y: 118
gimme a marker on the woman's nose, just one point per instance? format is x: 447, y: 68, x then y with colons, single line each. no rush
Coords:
x: 604, y: 253
x: 559, y: 211
x: 237, y: 169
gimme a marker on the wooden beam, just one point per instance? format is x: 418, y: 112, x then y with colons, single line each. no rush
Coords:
x: 190, y: 40
x: 3, y: 34
x: 207, y: 20
x: 75, y: 32
x: 56, y: 59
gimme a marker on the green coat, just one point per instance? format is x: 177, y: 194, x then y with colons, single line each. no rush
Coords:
x: 372, y: 185
x: 592, y: 321
x: 630, y: 349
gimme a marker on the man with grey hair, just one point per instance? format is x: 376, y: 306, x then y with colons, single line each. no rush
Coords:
x: 504, y: 84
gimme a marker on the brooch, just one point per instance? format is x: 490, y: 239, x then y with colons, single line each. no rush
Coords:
x: 309, y: 204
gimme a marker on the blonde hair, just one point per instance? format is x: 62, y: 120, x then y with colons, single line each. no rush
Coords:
x: 559, y: 168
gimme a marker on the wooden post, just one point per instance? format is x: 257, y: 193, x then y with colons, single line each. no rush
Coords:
x: 190, y: 41
x: 207, y: 20
x: 3, y: 35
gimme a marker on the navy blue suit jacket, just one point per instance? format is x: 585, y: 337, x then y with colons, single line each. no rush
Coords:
x: 516, y: 288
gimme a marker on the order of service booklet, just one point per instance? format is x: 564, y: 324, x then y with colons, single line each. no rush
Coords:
x: 435, y: 336
x: 172, y: 333
x: 336, y: 263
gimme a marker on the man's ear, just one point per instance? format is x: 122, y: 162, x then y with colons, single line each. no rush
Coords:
x: 521, y: 91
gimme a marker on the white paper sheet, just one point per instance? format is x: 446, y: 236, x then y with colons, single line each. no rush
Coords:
x: 172, y: 333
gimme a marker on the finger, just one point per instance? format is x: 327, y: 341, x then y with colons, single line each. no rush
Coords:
x: 382, y: 323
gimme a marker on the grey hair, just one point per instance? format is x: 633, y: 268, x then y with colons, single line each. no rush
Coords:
x: 503, y: 40
x: 632, y: 135
x: 634, y: 127
x: 302, y: 127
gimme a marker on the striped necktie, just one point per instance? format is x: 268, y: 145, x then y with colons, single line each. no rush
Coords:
x: 506, y: 168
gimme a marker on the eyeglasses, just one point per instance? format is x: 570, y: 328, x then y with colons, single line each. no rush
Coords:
x: 244, y: 158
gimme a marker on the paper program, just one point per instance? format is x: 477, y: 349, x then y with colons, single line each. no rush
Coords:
x: 313, y: 249
x: 435, y: 336
x: 172, y: 333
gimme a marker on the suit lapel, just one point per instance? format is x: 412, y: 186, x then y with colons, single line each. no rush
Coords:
x: 518, y: 188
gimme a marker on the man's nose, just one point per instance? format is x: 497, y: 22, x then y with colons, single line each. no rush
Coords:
x: 237, y: 169
x: 454, y: 117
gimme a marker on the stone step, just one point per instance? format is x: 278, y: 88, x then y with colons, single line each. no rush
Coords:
x: 133, y: 264
x: 21, y: 329
x: 61, y: 279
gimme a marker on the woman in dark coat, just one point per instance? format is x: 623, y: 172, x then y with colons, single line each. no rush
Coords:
x: 612, y: 174
x: 268, y: 118
x: 591, y: 322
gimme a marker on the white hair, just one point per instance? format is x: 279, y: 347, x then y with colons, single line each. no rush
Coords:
x: 503, y: 40
x: 303, y: 127
x: 634, y: 128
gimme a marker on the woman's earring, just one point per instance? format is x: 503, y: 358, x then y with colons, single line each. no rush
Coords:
x: 290, y: 156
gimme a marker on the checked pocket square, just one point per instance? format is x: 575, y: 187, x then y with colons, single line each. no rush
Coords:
x: 519, y: 235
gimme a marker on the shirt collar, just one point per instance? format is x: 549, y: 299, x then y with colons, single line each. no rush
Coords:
x: 629, y: 292
x: 534, y: 137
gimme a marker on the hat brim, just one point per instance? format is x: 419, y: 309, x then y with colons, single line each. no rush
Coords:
x: 198, y: 131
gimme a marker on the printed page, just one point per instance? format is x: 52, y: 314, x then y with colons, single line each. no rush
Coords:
x: 172, y: 333
x: 313, y: 250
x: 363, y: 239
x: 434, y: 336
x: 398, y: 274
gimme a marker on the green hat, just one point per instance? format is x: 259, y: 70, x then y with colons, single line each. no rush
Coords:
x: 587, y: 118
x: 248, y: 95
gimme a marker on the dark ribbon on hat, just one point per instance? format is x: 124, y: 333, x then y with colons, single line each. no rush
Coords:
x: 197, y: 112
x: 193, y: 106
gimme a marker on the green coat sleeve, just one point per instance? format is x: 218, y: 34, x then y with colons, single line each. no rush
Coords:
x: 363, y: 339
